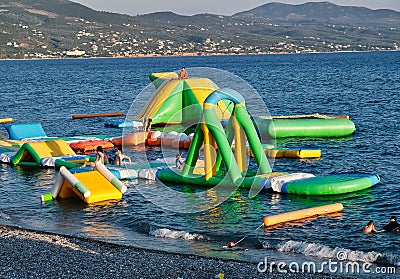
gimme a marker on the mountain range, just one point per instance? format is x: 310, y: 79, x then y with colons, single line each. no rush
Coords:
x: 324, y: 12
x: 54, y: 28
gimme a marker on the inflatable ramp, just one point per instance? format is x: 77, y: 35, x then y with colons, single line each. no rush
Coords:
x: 94, y: 186
x: 54, y: 153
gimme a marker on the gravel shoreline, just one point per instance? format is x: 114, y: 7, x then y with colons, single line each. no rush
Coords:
x: 33, y: 254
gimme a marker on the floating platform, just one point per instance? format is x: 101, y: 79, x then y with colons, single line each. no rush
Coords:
x: 90, y: 145
x: 144, y: 171
x: 273, y: 152
x: 228, y: 166
x: 11, y: 145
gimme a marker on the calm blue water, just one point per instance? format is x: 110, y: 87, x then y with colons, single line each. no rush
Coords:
x: 364, y: 86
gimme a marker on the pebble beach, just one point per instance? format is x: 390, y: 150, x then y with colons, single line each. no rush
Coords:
x: 33, y: 254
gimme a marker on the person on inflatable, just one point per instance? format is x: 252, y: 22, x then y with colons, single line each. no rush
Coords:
x: 179, y: 161
x: 183, y: 74
x: 119, y: 158
x: 101, y: 157
x: 148, y: 124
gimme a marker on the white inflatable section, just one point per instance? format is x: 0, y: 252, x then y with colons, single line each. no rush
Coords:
x: 171, y: 135
x: 156, y: 135
x: 6, y: 157
x: 276, y: 183
x: 124, y: 172
x: 137, y: 124
x: 182, y: 137
x: 64, y: 172
x: 57, y: 185
x: 149, y: 174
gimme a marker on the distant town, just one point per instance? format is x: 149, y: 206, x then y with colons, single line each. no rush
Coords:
x: 91, y: 43
x: 46, y: 34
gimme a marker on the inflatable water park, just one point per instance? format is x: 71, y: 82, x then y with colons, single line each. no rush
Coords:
x: 225, y: 146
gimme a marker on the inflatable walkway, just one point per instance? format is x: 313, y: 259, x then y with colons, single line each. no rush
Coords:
x: 94, y: 186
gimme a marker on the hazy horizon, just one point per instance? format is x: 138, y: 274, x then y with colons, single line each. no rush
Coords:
x: 221, y: 7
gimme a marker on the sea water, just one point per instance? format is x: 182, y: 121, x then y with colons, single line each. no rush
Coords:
x: 364, y: 86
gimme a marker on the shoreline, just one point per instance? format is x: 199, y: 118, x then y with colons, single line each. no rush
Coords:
x: 193, y: 55
x: 34, y: 254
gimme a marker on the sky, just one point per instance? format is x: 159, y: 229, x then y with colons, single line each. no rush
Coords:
x: 219, y: 7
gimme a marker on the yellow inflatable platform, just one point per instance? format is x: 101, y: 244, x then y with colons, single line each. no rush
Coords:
x: 293, y: 153
x: 272, y: 152
x: 91, y: 187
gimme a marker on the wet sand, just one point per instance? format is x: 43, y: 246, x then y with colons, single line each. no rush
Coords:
x: 32, y: 254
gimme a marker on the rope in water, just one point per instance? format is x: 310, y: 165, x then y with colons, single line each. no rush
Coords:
x: 233, y: 244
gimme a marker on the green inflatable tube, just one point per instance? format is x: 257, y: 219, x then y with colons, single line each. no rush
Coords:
x: 172, y: 176
x: 330, y: 185
x: 213, y: 123
x: 305, y: 127
x: 193, y: 153
x: 252, y: 137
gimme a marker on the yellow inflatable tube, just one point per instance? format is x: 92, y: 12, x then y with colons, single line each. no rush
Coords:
x: 293, y: 153
x: 303, y: 213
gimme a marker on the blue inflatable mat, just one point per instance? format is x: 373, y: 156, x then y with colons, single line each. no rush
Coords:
x: 18, y: 131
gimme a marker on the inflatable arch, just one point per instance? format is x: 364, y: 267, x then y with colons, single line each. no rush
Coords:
x: 231, y: 153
